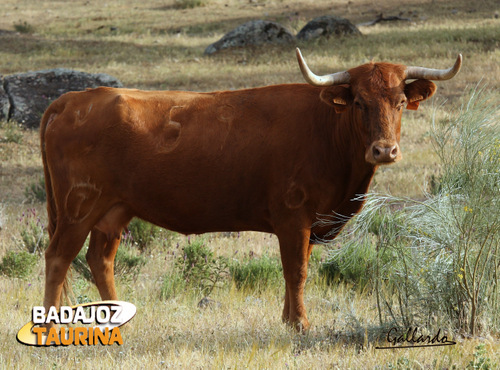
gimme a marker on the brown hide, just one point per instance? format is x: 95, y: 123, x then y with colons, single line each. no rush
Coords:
x: 269, y: 159
x: 197, y: 163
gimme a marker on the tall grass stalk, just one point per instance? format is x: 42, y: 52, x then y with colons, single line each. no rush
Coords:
x: 436, y: 261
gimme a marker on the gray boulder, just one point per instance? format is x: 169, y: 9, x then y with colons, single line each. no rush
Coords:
x: 29, y: 94
x: 326, y: 26
x: 4, y: 101
x: 256, y: 32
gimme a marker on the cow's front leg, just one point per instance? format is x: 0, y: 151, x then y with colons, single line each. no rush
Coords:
x: 295, y: 250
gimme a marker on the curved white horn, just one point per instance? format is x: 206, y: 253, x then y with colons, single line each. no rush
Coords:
x: 434, y: 74
x: 326, y: 80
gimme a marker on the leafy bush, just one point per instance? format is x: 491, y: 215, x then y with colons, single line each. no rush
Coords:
x: 141, y: 233
x: 128, y: 263
x: 200, y: 269
x: 18, y: 264
x: 481, y: 360
x: 256, y: 273
x: 438, y: 259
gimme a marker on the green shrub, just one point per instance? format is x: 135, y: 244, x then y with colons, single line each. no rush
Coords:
x: 128, y: 263
x: 256, y: 273
x: 200, y: 269
x: 18, y: 264
x: 24, y: 27
x: 141, y: 233
x: 481, y: 360
x: 36, y: 191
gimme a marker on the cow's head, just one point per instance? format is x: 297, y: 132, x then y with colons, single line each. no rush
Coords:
x: 376, y: 93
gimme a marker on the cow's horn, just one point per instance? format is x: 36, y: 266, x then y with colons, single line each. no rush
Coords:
x: 327, y: 80
x: 434, y: 74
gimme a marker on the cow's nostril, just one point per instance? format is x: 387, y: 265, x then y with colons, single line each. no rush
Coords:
x: 394, y: 152
x: 376, y: 152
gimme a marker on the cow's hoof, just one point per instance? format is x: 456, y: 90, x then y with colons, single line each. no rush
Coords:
x: 300, y: 325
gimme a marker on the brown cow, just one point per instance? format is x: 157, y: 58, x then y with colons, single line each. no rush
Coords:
x: 267, y: 159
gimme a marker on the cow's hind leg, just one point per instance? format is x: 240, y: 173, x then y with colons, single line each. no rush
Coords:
x: 100, y: 257
x: 64, y: 246
x: 295, y: 250
x: 104, y: 242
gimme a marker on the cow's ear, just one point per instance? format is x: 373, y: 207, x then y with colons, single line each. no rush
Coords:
x: 339, y: 97
x: 418, y: 91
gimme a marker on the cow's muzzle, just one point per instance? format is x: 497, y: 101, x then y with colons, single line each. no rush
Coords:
x: 381, y: 152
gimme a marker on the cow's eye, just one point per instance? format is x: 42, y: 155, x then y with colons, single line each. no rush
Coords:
x: 401, y: 105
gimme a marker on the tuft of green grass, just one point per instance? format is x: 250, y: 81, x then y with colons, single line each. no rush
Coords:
x: 18, y: 264
x: 12, y: 133
x: 256, y: 273
x: 34, y: 236
x: 190, y: 4
x: 24, y: 27
x: 173, y: 285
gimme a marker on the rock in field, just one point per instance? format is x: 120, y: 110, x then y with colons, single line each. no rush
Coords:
x: 327, y: 26
x: 29, y: 94
x: 256, y: 32
x: 4, y: 101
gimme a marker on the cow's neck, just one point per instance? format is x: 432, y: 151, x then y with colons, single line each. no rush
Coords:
x: 349, y: 151
x: 350, y: 174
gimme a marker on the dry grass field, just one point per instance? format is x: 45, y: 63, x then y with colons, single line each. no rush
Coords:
x: 159, y: 45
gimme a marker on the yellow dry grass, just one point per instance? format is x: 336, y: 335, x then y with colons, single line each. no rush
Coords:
x: 244, y: 331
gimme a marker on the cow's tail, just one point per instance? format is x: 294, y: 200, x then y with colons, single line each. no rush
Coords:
x: 49, y: 116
